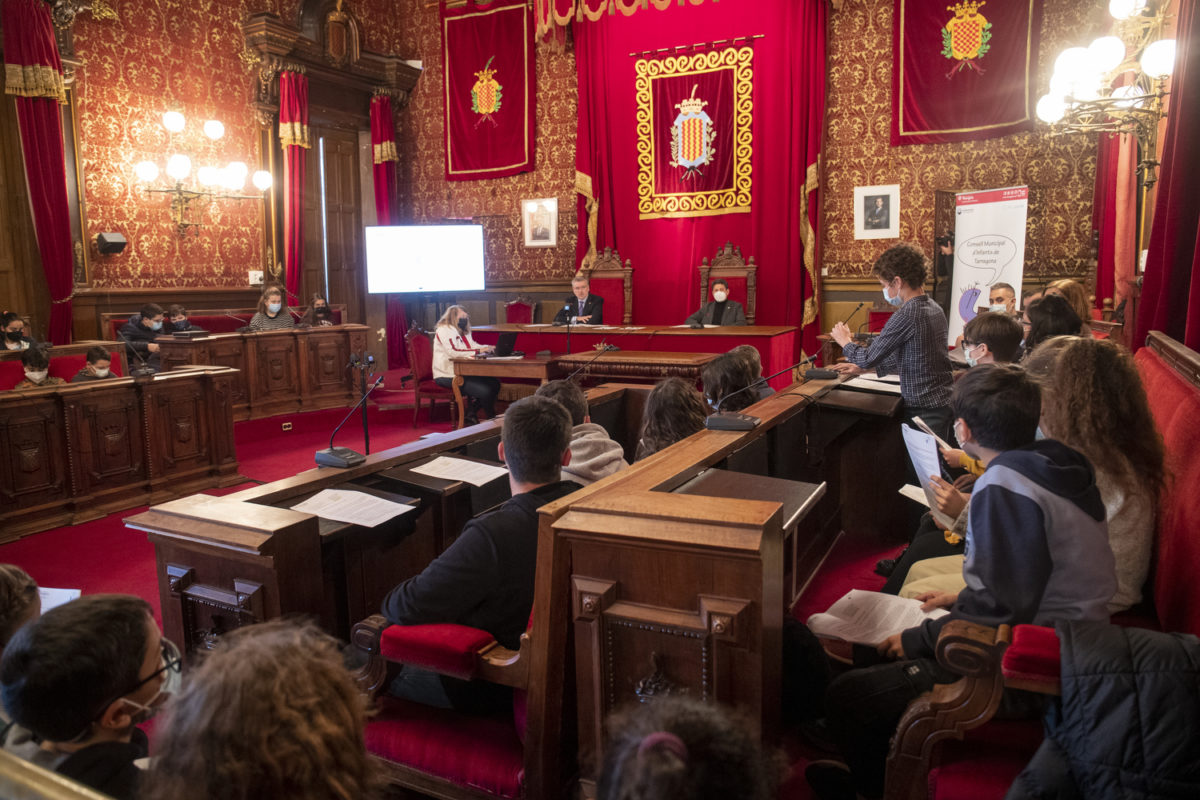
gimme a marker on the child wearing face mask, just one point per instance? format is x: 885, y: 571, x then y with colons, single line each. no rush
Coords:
x: 99, y: 366
x: 272, y: 314
x: 36, y: 361
x: 139, y: 334
x: 12, y: 332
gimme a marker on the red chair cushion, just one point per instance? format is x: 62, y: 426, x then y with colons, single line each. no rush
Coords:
x: 613, y: 292
x: 421, y: 357
x: 984, y: 765
x: 1033, y: 655
x: 446, y: 649
x: 11, y: 373
x: 518, y: 313
x: 481, y: 753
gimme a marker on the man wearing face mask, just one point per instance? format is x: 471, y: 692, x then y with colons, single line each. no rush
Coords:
x: 81, y: 678
x: 139, y: 334
x: 1002, y: 297
x: 912, y: 344
x: 99, y: 366
x: 36, y: 361
x: 721, y: 311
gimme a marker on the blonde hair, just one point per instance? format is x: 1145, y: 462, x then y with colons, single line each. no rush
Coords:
x: 272, y: 712
x: 450, y: 318
x: 266, y: 295
x: 1075, y: 295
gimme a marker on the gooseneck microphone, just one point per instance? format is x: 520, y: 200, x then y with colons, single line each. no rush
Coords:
x: 603, y: 348
x: 137, y: 372
x: 343, y: 457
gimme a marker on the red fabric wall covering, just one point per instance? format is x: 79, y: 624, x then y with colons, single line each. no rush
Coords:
x: 788, y: 102
x: 1171, y: 291
x: 384, y: 157
x: 293, y: 135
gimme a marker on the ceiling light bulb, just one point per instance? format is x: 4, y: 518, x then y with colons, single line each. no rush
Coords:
x: 208, y: 176
x: 213, y: 129
x: 1106, y: 53
x: 1072, y: 63
x: 1158, y: 59
x: 146, y: 171
x: 173, y: 121
x: 262, y: 180
x: 1124, y: 9
x: 179, y: 166
x: 1050, y: 108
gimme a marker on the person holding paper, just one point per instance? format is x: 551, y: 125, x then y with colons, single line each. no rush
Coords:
x: 452, y: 339
x: 1037, y: 552
x: 912, y: 344
x: 485, y: 578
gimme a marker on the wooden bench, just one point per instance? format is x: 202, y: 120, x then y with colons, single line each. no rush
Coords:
x: 213, y: 320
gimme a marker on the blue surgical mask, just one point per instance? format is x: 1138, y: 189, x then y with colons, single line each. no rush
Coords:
x: 156, y: 326
x: 971, y: 360
x: 896, y: 301
x: 1038, y: 435
x: 998, y: 307
x: 274, y: 307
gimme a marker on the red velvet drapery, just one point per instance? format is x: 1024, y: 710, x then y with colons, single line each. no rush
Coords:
x: 1104, y: 213
x: 1171, y: 290
x: 293, y: 136
x: 384, y: 158
x: 788, y: 118
x: 33, y: 73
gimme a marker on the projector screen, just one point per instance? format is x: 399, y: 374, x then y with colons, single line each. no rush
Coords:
x: 424, y: 258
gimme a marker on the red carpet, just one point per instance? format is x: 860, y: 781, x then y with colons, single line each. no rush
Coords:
x: 105, y: 556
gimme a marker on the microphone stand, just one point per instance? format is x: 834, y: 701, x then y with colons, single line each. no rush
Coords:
x: 603, y: 347
x: 567, y: 308
x: 137, y: 372
x: 734, y: 421
x: 343, y: 457
x: 364, y: 365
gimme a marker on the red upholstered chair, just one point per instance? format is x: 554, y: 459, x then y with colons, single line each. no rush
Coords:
x: 519, y: 311
x: 742, y: 278
x: 12, y: 372
x: 420, y: 361
x: 613, y: 281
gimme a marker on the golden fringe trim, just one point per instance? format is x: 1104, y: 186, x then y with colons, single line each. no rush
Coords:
x: 583, y: 186
x: 385, y: 151
x: 808, y: 237
x: 34, y: 81
x: 547, y: 16
x: 294, y: 134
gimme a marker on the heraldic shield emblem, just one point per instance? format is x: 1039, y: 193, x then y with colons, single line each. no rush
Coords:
x: 485, y: 94
x: 692, y: 135
x: 966, y: 38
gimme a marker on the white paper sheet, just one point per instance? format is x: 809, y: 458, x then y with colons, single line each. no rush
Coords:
x: 874, y: 376
x: 872, y: 386
x: 923, y: 450
x: 942, y: 443
x: 915, y: 493
x: 870, y: 617
x: 357, y: 508
x: 53, y: 598
x: 459, y: 469
x: 536, y: 324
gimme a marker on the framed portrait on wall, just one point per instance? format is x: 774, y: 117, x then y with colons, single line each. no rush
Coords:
x: 877, y: 212
x: 539, y: 221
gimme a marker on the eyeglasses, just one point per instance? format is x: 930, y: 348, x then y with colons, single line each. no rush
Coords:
x: 170, y: 660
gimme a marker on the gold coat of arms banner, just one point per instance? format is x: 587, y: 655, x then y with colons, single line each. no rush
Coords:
x: 694, y: 133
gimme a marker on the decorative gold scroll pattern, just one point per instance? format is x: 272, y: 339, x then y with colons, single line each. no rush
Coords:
x: 858, y: 152
x: 426, y: 195
x: 549, y: 16
x: 698, y: 204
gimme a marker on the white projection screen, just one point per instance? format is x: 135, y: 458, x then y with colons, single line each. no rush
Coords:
x: 424, y: 258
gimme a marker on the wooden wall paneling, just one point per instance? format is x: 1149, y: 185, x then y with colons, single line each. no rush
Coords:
x: 177, y: 424
x: 272, y: 361
x: 108, y: 457
x: 347, y: 282
x: 325, y: 360
x: 312, y: 276
x: 33, y: 462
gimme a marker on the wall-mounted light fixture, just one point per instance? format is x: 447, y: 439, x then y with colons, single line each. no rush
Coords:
x: 214, y: 183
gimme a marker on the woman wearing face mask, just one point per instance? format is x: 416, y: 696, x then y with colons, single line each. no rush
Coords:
x: 13, y: 333
x: 452, y: 339
x: 912, y: 344
x: 272, y: 314
x: 319, y: 312
x: 721, y: 311
x: 36, y: 361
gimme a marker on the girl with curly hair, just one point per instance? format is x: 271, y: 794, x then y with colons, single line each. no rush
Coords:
x: 674, y: 410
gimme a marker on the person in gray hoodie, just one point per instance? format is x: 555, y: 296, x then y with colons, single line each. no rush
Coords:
x: 593, y: 454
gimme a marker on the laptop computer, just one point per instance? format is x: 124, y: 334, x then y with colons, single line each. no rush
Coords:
x: 504, y: 347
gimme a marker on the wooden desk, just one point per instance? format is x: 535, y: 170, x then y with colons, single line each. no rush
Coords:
x: 536, y: 368
x: 299, y: 369
x: 636, y: 365
x: 776, y: 344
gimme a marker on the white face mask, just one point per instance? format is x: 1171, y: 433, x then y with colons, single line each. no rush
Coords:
x: 895, y: 301
x: 38, y: 375
x: 998, y: 307
x: 720, y: 296
x: 100, y: 373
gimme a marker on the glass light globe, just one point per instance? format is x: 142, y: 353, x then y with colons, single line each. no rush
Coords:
x: 1158, y: 59
x: 1128, y: 97
x: 1106, y: 53
x: 179, y: 166
x: 1050, y: 108
x: 232, y: 179
x: 173, y: 121
x: 208, y: 176
x: 146, y: 171
x: 1086, y: 90
x: 239, y: 167
x: 1124, y: 9
x: 213, y: 129
x: 1072, y: 63
x: 1061, y: 85
x: 262, y: 180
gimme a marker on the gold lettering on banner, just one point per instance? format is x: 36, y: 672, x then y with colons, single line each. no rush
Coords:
x: 735, y: 199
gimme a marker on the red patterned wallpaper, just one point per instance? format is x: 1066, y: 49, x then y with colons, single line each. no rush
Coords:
x: 858, y: 153
x: 426, y: 194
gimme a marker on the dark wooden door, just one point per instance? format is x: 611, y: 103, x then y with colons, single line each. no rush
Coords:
x: 333, y: 228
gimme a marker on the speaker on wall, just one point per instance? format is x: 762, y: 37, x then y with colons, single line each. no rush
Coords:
x: 110, y: 243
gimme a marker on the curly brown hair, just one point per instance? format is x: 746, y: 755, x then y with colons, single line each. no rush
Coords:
x: 19, y: 600
x: 1093, y: 400
x: 903, y: 261
x: 272, y: 712
x: 674, y: 410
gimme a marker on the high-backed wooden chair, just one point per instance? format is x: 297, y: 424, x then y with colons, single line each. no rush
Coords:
x: 420, y: 361
x: 519, y: 311
x: 603, y: 274
x: 740, y: 275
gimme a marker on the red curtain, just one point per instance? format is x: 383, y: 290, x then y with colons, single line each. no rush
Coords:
x: 34, y: 74
x: 788, y: 118
x: 1171, y: 289
x: 293, y: 136
x: 384, y: 158
x: 1104, y: 214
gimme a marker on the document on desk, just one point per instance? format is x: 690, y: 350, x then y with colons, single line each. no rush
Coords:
x: 870, y: 617
x: 356, y: 508
x: 535, y: 325
x: 874, y: 376
x: 872, y: 386
x: 923, y: 450
x: 460, y: 469
x: 53, y: 598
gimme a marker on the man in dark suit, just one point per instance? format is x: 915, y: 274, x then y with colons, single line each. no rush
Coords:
x: 584, y: 308
x: 721, y: 311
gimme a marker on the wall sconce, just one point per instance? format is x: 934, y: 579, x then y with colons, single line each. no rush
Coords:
x: 225, y: 183
x: 1082, y: 97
